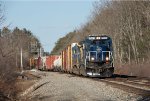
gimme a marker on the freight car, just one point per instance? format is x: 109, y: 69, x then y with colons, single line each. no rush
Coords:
x: 50, y: 62
x: 41, y: 63
x: 93, y: 57
x: 44, y: 62
x: 33, y: 62
x: 57, y: 64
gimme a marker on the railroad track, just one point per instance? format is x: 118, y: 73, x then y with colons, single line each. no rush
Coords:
x: 132, y: 84
x: 132, y: 81
x: 136, y: 85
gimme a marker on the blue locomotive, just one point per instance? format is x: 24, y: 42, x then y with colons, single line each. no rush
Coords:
x: 93, y: 57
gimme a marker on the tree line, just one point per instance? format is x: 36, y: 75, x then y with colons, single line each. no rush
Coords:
x: 11, y: 43
x: 126, y: 22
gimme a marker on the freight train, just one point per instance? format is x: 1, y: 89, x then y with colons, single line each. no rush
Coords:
x: 92, y: 57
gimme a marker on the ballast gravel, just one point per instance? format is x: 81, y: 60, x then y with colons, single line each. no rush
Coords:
x: 66, y: 87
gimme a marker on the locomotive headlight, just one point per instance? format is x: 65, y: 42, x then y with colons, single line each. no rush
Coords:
x: 107, y: 58
x: 92, y: 58
x: 98, y: 37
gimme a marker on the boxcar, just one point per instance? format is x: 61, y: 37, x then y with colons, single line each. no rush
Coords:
x: 41, y: 63
x: 66, y: 56
x: 32, y: 63
x: 57, y: 64
x: 50, y: 61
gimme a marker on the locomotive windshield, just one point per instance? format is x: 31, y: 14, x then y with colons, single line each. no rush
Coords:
x: 98, y: 43
x: 101, y: 43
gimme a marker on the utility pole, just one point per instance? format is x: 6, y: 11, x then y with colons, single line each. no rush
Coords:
x: 16, y: 61
x: 0, y: 33
x: 21, y: 61
x: 40, y: 51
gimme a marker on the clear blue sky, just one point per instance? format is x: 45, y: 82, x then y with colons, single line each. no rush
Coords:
x: 48, y: 20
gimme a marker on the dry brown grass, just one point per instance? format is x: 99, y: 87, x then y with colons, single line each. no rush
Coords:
x: 142, y: 70
x: 8, y: 91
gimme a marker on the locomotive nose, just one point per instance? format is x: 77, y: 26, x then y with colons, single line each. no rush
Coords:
x: 99, y: 54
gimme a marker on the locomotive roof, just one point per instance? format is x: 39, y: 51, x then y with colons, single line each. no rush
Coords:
x: 98, y: 37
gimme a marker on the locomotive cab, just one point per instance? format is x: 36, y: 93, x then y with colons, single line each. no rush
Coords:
x: 99, y: 51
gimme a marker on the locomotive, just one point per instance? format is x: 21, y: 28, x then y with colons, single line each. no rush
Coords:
x: 92, y: 57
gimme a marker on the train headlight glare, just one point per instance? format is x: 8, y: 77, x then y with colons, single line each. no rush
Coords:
x: 98, y: 38
x: 107, y: 58
x: 92, y: 58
